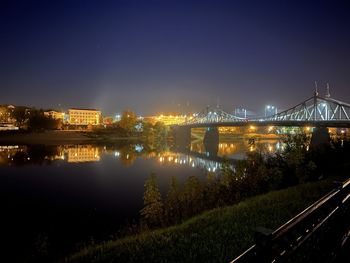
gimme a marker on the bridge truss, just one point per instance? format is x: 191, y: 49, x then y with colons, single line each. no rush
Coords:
x: 213, y: 115
x: 315, y: 109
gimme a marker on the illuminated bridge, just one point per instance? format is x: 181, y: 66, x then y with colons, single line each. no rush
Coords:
x: 316, y: 111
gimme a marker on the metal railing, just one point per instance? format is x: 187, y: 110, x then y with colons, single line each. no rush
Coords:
x: 324, y: 226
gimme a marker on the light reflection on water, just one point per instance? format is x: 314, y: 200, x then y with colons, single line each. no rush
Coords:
x: 196, y: 157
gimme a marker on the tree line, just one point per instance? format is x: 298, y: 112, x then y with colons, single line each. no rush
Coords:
x: 260, y: 172
x: 34, y: 119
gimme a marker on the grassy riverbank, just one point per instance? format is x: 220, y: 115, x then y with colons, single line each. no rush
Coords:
x: 218, y: 235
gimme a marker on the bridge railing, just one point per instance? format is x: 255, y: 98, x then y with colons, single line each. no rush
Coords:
x: 329, y: 217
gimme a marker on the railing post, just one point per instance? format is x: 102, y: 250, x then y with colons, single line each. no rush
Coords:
x: 263, y: 241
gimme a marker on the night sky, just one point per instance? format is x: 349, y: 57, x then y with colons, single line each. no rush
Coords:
x: 159, y: 56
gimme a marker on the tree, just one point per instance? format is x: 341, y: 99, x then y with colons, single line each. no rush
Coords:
x: 148, y: 131
x: 172, y: 209
x: 193, y: 197
x: 212, y: 195
x: 38, y: 121
x: 226, y: 173
x: 152, y: 212
x: 295, y: 156
x: 128, y: 121
x: 20, y: 115
x: 160, y: 130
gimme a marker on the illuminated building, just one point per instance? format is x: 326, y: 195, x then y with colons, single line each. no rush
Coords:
x: 168, y: 119
x: 84, y: 117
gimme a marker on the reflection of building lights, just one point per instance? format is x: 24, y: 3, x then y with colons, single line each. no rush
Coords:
x: 127, y: 156
x: 342, y: 131
x: 251, y: 148
x: 270, y: 129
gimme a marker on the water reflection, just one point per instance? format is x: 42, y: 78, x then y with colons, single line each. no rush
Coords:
x: 83, y: 153
x: 198, y: 155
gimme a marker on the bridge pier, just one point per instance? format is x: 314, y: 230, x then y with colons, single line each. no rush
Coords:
x: 182, y: 136
x: 211, y: 136
x: 320, y: 139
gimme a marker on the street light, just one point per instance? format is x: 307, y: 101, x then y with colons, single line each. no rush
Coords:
x: 270, y: 110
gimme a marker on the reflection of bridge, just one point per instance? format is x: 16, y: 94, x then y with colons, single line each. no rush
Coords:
x: 316, y: 111
x: 208, y: 161
x: 208, y: 155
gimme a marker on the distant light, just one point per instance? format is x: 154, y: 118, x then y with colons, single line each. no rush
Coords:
x: 138, y: 148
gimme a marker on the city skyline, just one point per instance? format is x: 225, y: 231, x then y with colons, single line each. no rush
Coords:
x: 162, y: 56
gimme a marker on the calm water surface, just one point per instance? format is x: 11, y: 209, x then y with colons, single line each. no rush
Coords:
x: 55, y: 199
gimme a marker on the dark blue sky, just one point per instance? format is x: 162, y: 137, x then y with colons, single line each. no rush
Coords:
x: 155, y: 56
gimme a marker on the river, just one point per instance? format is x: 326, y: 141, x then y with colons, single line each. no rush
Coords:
x: 57, y: 199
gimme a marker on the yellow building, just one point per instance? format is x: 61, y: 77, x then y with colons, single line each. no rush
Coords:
x: 84, y: 117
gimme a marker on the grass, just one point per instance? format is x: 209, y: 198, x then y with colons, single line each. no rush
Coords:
x: 218, y: 235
